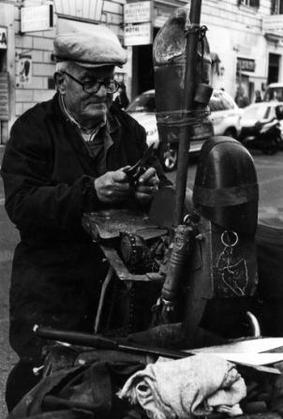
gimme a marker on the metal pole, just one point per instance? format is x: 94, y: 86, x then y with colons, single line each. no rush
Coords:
x: 189, y: 91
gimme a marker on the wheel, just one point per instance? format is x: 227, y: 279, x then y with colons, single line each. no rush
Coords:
x: 170, y: 158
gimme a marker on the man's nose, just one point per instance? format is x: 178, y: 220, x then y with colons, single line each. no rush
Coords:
x: 101, y: 91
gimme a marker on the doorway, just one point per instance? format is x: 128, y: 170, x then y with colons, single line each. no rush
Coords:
x: 273, y: 68
x: 143, y: 72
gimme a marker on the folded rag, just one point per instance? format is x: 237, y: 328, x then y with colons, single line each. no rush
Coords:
x: 197, y: 385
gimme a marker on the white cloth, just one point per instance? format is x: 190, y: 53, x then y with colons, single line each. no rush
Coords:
x: 197, y: 385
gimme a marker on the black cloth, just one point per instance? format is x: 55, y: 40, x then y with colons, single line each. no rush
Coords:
x: 48, y: 177
x: 82, y: 382
x: 21, y: 380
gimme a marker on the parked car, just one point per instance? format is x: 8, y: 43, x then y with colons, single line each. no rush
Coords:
x: 225, y: 115
x: 225, y: 119
x: 274, y: 91
x: 262, y: 126
x: 256, y: 113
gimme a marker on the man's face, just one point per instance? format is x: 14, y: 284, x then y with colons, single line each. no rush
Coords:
x: 88, y: 108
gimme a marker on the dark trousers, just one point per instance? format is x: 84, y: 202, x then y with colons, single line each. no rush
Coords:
x: 20, y: 380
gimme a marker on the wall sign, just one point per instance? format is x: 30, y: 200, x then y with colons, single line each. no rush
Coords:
x: 37, y: 18
x: 245, y: 64
x: 89, y: 9
x: 138, y: 12
x: 24, y: 71
x: 138, y: 34
x: 3, y: 38
x: 138, y: 18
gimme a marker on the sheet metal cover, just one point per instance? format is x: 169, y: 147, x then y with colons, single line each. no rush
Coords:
x: 226, y: 188
x: 107, y: 224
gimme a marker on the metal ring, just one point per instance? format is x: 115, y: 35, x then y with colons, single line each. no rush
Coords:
x: 224, y: 241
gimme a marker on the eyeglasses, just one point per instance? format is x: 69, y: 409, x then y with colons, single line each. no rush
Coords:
x: 92, y: 86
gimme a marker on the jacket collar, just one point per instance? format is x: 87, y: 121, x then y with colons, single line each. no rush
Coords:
x: 55, y: 110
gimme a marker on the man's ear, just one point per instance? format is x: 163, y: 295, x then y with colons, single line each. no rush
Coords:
x: 60, y: 82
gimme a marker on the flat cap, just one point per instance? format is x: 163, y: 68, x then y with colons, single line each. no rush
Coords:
x: 90, y: 48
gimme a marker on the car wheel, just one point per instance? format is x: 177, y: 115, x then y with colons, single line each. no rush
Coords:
x: 170, y: 158
x: 230, y: 132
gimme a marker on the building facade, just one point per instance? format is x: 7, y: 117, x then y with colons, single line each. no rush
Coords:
x: 245, y: 36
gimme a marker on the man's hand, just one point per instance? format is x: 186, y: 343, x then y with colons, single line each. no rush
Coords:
x: 147, y: 184
x: 112, y: 187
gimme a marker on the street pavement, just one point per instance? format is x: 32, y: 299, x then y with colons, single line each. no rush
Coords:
x: 270, y: 176
x: 8, y: 238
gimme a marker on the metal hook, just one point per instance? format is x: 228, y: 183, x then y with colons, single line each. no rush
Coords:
x: 224, y: 240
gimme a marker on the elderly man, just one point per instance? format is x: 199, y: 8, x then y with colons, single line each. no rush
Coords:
x: 66, y: 157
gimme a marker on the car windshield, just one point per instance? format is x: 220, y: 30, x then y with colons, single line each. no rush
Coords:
x: 143, y: 103
x: 273, y: 93
x: 256, y: 112
x: 220, y: 102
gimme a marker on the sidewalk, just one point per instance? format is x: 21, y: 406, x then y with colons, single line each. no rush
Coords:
x: 8, y: 239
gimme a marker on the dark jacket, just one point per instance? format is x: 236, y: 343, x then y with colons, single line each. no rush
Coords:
x: 48, y: 177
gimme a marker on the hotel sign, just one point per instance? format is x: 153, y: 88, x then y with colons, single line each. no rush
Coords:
x: 138, y: 34
x: 138, y: 23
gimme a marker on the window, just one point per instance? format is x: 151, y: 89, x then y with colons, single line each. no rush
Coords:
x: 51, y: 83
x: 216, y: 102
x: 250, y: 3
x: 277, y: 7
x: 220, y: 102
x: 228, y: 103
x: 143, y: 103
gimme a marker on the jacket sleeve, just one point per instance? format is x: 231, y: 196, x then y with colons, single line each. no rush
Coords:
x: 33, y: 201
